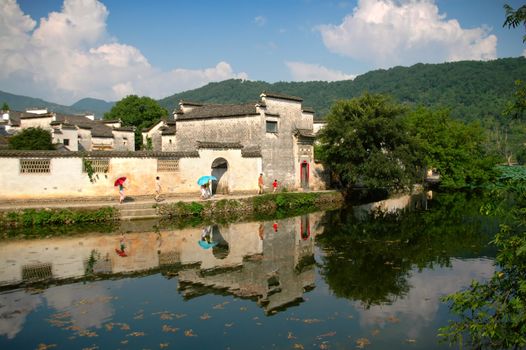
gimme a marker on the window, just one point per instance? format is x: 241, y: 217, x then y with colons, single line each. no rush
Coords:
x: 66, y: 142
x: 99, y: 165
x: 35, y: 166
x: 272, y: 126
x: 167, y: 165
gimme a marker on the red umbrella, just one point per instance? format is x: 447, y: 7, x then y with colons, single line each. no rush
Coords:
x: 119, y: 181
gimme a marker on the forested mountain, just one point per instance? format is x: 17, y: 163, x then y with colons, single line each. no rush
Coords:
x: 470, y: 89
x: 86, y: 105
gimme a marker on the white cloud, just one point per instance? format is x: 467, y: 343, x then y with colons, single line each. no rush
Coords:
x: 70, y: 55
x: 260, y: 20
x: 420, y: 306
x: 389, y: 33
x: 301, y: 71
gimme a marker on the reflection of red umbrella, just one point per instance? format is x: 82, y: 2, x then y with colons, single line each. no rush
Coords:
x: 119, y: 181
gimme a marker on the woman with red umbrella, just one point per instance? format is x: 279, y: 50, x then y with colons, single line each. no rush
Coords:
x: 120, y: 182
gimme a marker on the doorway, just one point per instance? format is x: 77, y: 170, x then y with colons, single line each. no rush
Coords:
x: 304, y: 175
x: 219, y: 169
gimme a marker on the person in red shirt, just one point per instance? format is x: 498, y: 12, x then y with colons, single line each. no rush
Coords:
x: 275, y: 185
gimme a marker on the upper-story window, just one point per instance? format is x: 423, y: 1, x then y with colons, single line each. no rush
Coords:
x: 272, y: 126
x: 66, y: 142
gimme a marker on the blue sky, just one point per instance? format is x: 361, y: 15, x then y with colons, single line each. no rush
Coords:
x: 64, y: 50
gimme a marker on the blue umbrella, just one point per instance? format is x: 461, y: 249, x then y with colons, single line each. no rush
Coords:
x: 204, y: 179
x: 207, y: 245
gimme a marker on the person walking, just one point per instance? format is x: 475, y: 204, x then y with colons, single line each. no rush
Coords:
x: 122, y: 195
x: 260, y: 183
x: 158, y: 189
x: 275, y: 186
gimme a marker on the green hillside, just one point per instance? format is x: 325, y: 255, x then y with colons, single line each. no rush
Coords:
x: 470, y: 89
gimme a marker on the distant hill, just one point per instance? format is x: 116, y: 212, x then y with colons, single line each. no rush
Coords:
x: 86, y: 105
x: 93, y: 105
x: 470, y: 89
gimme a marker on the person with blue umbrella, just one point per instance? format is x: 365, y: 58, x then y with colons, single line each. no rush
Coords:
x: 206, y: 185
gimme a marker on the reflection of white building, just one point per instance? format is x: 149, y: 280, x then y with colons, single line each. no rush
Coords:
x: 270, y: 261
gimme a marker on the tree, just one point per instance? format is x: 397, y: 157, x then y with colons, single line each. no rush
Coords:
x: 31, y: 139
x: 514, y: 18
x: 5, y: 107
x: 364, y: 143
x: 457, y: 150
x: 140, y: 112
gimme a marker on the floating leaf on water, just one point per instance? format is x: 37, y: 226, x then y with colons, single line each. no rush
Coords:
x: 350, y: 317
x: 125, y: 327
x: 311, y: 320
x: 167, y: 328
x: 139, y: 317
x: 167, y: 316
x: 229, y: 324
x: 410, y: 341
x: 124, y: 342
x: 94, y: 347
x: 205, y: 316
x: 189, y: 333
x: 43, y: 346
x: 298, y: 346
x: 242, y: 308
x: 329, y: 334
x: 291, y: 336
x: 180, y: 315
x: 362, y: 342
x: 375, y: 332
x: 393, y: 319
x: 108, y: 326
x: 324, y: 346
x: 163, y: 345
x: 136, y: 334
x: 218, y: 307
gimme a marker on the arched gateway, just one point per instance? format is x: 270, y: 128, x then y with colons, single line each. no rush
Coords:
x: 220, y: 171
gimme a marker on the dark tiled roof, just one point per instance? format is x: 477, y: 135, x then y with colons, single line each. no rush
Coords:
x: 57, y: 131
x: 219, y: 111
x: 281, y: 96
x: 218, y: 145
x: 110, y: 121
x: 35, y: 116
x: 272, y: 114
x: 190, y: 103
x: 308, y: 110
x: 168, y: 131
x: 304, y: 133
x: 251, y: 152
x: 125, y: 128
x: 98, y: 154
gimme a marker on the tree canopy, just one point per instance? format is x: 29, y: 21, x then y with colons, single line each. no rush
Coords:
x: 363, y: 143
x: 31, y: 139
x: 140, y: 112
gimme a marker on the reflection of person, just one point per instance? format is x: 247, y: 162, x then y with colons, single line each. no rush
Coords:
x: 260, y: 183
x: 275, y: 185
x: 158, y: 188
x: 275, y: 226
x: 122, y: 246
x: 206, y: 234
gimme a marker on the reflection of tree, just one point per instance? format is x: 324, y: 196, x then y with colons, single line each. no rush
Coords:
x: 370, y: 259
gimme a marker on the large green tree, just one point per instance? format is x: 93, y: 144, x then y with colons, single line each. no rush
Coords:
x: 31, y: 139
x: 515, y: 18
x: 363, y: 143
x: 457, y: 150
x: 140, y: 112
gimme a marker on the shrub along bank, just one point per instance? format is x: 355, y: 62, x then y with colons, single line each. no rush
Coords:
x: 224, y: 210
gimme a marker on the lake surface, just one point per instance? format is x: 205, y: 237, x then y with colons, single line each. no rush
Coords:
x: 368, y: 276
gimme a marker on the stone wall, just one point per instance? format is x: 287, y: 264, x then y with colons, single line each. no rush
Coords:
x: 66, y: 178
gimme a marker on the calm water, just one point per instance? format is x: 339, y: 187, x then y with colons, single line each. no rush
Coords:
x: 360, y: 277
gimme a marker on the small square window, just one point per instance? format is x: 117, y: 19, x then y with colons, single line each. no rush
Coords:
x: 272, y: 126
x: 66, y: 142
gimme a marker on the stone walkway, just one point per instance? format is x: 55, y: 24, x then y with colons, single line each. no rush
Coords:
x: 130, y: 202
